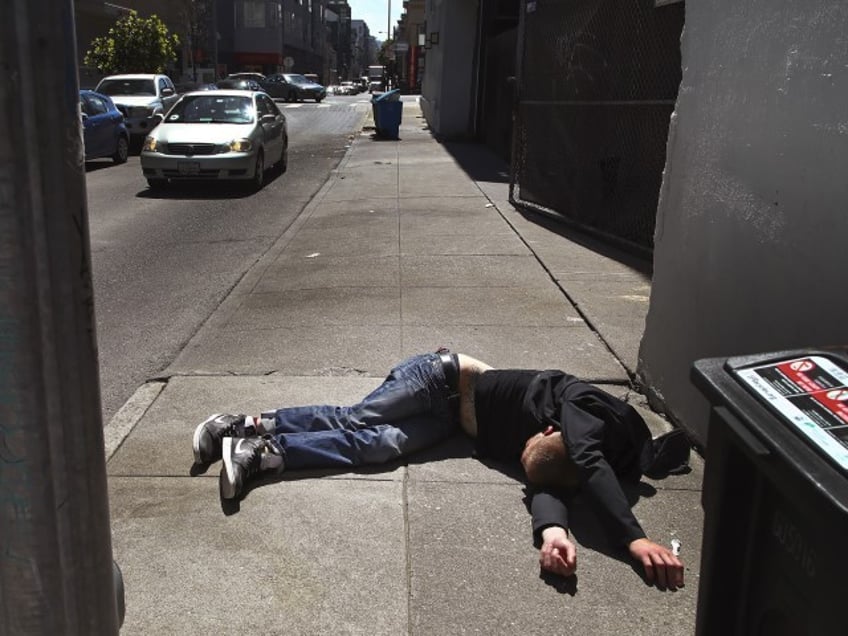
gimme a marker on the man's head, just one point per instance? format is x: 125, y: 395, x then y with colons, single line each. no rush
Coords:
x: 546, y: 461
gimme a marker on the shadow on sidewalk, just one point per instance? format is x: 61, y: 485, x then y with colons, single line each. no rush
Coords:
x: 482, y: 165
x: 585, y: 526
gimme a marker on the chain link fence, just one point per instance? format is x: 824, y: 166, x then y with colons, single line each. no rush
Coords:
x: 598, y: 80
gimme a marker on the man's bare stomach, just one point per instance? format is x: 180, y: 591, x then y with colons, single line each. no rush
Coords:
x: 469, y: 369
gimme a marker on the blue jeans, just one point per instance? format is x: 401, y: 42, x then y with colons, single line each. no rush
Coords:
x: 409, y: 411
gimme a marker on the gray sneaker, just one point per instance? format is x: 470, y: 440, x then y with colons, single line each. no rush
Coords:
x: 245, y: 457
x: 208, y: 435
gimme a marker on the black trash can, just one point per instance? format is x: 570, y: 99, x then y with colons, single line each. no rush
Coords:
x: 775, y: 495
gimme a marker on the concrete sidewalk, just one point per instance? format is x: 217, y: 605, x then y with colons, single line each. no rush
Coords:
x: 410, y: 245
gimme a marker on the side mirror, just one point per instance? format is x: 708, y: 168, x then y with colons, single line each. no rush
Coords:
x: 83, y: 117
x: 268, y: 119
x: 167, y: 92
x: 159, y: 117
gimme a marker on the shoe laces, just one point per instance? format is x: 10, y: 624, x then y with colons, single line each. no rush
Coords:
x: 265, y: 445
x: 237, y: 428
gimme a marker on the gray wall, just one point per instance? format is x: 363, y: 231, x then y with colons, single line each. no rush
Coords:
x: 752, y: 226
x: 446, y: 92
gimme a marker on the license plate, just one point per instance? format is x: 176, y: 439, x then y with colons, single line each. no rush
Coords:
x: 188, y: 167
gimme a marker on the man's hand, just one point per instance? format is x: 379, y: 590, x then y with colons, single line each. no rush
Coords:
x: 661, y: 566
x: 558, y: 554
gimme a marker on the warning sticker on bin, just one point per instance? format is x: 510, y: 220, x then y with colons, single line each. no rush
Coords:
x: 811, y: 394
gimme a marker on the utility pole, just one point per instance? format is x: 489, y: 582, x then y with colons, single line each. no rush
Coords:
x: 283, y: 36
x: 56, y: 568
x: 389, y: 54
x: 215, y: 38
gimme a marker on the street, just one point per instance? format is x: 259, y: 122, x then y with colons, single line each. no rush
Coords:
x: 163, y: 262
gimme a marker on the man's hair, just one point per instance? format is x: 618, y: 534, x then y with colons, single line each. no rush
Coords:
x: 548, y: 463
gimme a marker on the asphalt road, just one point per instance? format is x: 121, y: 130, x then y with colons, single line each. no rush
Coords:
x: 163, y: 262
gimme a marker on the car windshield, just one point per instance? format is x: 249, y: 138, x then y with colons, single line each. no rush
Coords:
x: 212, y: 109
x: 297, y: 79
x: 127, y: 87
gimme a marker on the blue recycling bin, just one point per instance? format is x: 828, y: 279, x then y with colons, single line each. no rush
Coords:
x: 388, y: 111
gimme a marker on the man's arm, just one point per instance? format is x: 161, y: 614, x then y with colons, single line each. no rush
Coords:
x: 599, y: 482
x: 659, y: 562
x: 557, y: 553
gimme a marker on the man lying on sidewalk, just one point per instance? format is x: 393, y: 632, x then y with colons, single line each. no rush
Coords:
x: 566, y: 433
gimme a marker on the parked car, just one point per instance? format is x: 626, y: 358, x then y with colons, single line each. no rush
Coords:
x: 140, y: 97
x: 293, y: 87
x: 217, y: 135
x: 242, y: 83
x: 103, y: 130
x: 348, y: 88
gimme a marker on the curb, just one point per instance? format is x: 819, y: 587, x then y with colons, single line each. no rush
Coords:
x: 124, y: 421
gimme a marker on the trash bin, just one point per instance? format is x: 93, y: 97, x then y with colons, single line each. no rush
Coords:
x: 388, y: 110
x: 775, y: 494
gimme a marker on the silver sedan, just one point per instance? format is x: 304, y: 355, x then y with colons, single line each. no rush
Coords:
x: 212, y: 135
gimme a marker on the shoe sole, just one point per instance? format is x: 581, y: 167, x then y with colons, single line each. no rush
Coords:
x: 228, y: 483
x: 195, y: 442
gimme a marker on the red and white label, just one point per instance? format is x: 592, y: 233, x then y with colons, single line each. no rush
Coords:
x: 811, y: 394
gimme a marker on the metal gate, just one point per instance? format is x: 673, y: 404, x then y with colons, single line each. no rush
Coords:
x: 597, y: 83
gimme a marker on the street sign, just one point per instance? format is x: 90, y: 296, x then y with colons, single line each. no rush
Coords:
x: 401, y: 47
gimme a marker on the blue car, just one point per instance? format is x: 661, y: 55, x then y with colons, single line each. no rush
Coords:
x: 103, y: 130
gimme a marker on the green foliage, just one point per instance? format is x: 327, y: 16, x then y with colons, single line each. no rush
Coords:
x: 384, y: 55
x: 134, y: 45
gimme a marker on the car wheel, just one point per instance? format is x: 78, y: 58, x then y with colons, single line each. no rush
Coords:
x: 157, y: 184
x: 318, y: 100
x: 122, y: 151
x: 259, y: 172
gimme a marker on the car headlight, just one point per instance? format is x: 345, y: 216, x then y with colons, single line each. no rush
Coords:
x: 241, y: 145
x: 150, y: 144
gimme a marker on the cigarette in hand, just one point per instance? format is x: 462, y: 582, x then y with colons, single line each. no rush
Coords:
x: 675, y: 547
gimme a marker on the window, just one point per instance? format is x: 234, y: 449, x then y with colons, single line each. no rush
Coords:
x: 266, y: 106
x: 253, y: 14
x: 93, y: 105
x: 127, y: 87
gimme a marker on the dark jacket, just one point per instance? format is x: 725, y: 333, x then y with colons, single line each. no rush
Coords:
x: 604, y: 436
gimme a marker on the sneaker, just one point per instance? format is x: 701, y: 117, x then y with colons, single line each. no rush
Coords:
x: 208, y: 435
x: 245, y: 457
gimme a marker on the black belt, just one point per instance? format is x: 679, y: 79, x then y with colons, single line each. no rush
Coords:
x: 450, y: 366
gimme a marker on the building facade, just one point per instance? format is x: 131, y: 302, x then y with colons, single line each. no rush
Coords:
x: 410, y: 46
x: 340, y: 38
x: 266, y: 36
x: 360, y: 47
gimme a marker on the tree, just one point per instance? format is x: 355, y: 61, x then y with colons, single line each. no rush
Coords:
x: 133, y: 45
x: 385, y: 54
